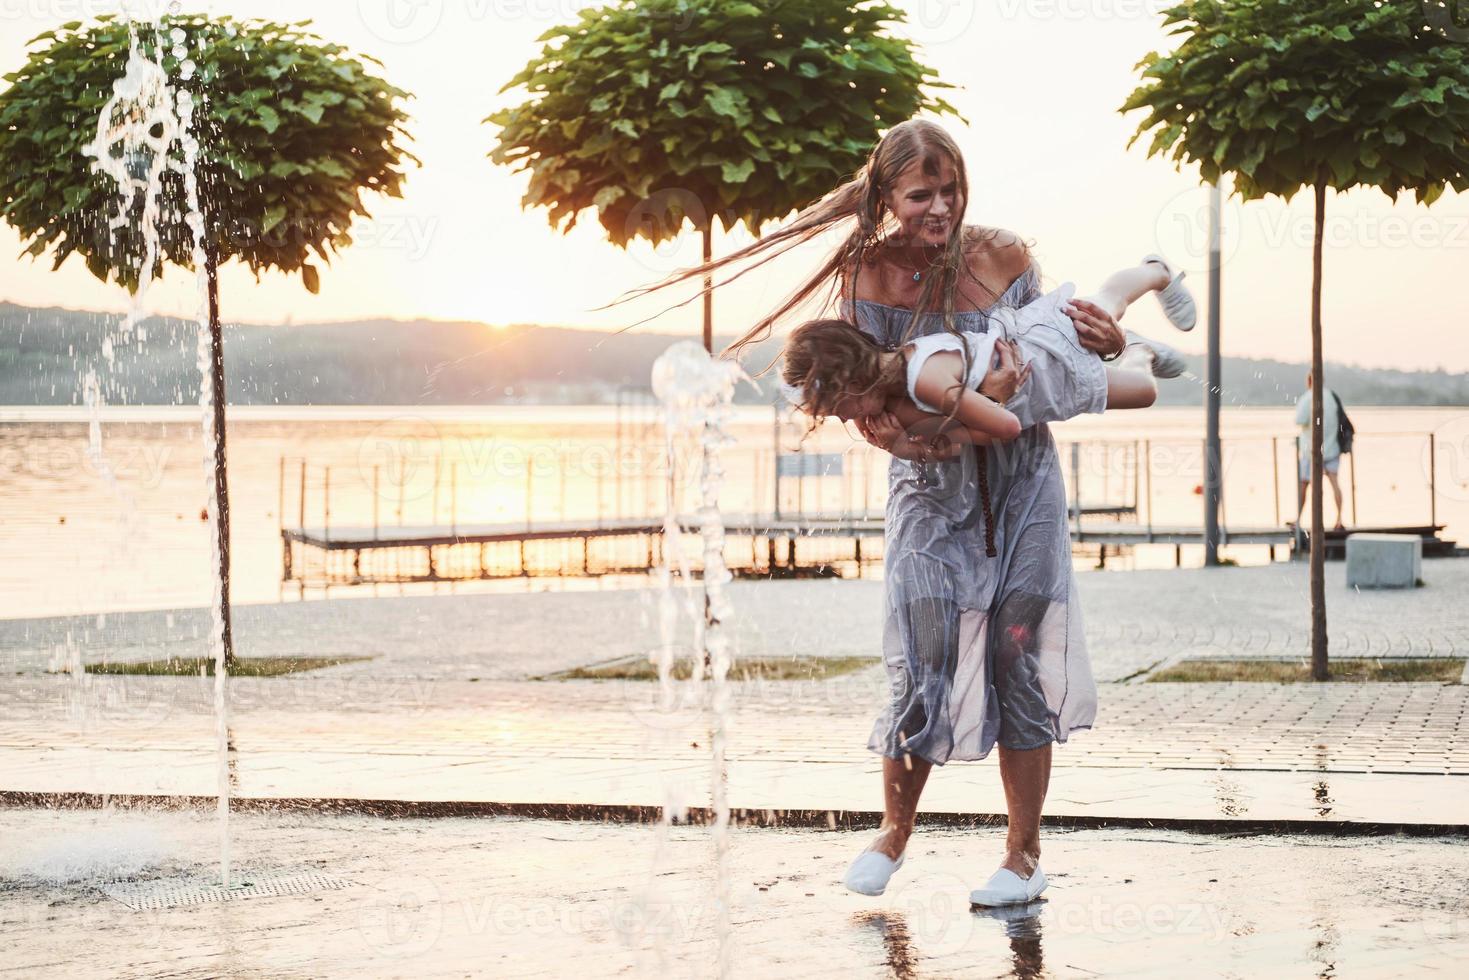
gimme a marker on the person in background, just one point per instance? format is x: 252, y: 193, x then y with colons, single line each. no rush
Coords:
x: 1330, y: 446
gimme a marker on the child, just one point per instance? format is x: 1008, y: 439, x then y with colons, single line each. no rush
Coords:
x: 922, y: 400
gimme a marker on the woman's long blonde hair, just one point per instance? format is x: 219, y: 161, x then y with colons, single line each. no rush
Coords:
x: 859, y: 200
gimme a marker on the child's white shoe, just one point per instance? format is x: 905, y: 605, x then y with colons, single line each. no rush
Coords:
x: 869, y: 874
x: 1167, y: 362
x: 1005, y: 887
x: 1177, y: 301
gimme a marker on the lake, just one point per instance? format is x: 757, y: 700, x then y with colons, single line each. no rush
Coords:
x: 121, y: 529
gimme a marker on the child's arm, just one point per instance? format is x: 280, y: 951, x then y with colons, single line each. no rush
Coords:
x: 934, y: 428
x: 940, y: 382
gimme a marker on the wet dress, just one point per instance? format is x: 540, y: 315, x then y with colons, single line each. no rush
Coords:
x: 980, y: 649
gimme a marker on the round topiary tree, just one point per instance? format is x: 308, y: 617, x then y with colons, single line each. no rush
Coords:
x: 1285, y: 95
x: 658, y: 112
x: 269, y: 134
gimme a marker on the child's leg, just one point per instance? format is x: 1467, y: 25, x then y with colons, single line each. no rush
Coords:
x: 1130, y: 381
x: 1124, y: 288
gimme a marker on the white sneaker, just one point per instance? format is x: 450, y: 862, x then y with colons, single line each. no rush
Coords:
x: 1167, y: 362
x: 1005, y: 887
x: 869, y: 874
x: 1177, y: 301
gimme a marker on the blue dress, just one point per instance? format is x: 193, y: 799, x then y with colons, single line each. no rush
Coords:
x: 979, y: 649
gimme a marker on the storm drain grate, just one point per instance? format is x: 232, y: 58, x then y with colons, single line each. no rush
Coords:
x: 172, y: 893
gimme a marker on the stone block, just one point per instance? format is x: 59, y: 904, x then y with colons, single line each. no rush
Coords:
x: 1384, y: 561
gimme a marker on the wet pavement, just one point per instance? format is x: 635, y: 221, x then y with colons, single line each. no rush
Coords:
x: 507, y: 897
x: 1198, y: 830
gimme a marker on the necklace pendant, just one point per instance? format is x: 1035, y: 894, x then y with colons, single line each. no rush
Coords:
x: 917, y: 276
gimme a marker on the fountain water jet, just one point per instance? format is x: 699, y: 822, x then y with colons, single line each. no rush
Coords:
x: 138, y: 132
x: 697, y: 391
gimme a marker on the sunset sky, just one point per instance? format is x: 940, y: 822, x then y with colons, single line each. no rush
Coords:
x: 1040, y: 81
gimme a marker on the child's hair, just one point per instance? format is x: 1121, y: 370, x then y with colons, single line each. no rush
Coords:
x: 827, y: 359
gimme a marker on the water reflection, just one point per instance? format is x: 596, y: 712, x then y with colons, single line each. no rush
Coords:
x: 1019, y: 924
x: 1022, y: 926
x: 1321, y: 791
x: 897, y: 941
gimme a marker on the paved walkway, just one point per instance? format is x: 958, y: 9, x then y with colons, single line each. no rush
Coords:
x: 444, y: 711
x: 1134, y: 620
x: 1382, y: 753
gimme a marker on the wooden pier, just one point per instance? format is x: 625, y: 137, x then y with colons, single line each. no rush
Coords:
x: 810, y: 546
x: 805, y: 514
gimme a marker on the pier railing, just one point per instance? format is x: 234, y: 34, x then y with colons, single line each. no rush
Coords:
x: 595, y: 510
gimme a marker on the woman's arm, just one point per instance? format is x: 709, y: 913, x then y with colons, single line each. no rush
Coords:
x: 890, y: 435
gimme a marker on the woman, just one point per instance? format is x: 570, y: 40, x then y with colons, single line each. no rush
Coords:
x: 983, y: 640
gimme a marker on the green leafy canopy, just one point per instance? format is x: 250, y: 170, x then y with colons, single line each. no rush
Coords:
x: 658, y: 111
x: 292, y: 130
x: 1286, y: 94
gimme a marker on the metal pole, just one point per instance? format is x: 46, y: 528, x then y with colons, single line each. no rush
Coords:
x: 1136, y: 475
x: 1148, y: 462
x: 1275, y: 482
x: 1352, y: 463
x: 375, y: 485
x: 1076, y: 485
x: 438, y: 475
x: 775, y: 456
x: 866, y: 483
x: 1212, y: 462
x: 755, y: 475
x: 1432, y: 479
x: 402, y: 478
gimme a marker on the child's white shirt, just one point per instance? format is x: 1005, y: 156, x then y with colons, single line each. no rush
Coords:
x: 981, y: 350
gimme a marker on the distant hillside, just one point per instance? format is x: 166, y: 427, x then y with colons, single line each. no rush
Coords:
x: 46, y: 353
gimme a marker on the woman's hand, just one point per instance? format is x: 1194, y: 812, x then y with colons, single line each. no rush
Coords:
x: 1001, y: 383
x: 887, y: 433
x: 1096, y: 328
x: 883, y: 431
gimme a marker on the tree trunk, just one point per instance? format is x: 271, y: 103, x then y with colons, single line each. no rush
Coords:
x: 221, y: 479
x: 1213, y: 458
x: 1318, y: 523
x: 708, y: 288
